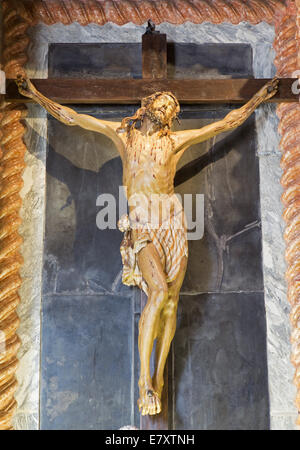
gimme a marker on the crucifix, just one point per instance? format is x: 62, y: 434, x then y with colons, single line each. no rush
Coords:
x: 149, y: 154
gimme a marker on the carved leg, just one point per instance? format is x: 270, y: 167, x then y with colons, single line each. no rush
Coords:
x: 152, y: 271
x: 167, y: 328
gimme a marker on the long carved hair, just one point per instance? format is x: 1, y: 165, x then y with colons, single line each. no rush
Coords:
x: 128, y: 124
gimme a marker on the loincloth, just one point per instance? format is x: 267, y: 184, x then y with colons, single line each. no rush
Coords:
x: 169, y: 239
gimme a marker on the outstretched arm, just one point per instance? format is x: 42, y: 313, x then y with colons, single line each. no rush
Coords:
x: 235, y: 118
x: 70, y: 117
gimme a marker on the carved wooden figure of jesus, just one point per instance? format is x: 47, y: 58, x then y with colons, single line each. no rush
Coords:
x: 154, y: 249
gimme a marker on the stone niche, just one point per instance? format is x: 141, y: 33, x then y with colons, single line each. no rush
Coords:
x: 89, y: 325
x: 225, y: 373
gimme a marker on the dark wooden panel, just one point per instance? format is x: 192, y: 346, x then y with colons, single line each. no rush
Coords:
x: 131, y: 91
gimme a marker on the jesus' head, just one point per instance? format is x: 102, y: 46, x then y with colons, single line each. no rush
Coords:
x: 160, y: 108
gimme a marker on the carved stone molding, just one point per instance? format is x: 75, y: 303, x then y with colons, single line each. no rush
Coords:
x: 12, y: 165
x: 287, y: 61
x: 18, y: 16
x: 12, y: 151
x: 139, y: 11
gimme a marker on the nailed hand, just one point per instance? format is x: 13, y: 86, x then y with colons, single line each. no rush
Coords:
x: 269, y: 89
x: 25, y: 86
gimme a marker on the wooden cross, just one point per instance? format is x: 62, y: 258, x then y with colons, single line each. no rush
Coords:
x: 154, y: 78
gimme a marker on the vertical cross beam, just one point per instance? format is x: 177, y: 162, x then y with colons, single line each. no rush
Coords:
x: 154, y: 55
x: 154, y: 66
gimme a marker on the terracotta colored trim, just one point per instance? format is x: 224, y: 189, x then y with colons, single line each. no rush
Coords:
x: 12, y: 151
x: 288, y: 61
x: 139, y: 11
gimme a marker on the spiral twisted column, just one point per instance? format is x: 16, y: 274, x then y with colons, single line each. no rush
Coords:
x: 287, y: 61
x: 12, y: 151
x: 139, y: 11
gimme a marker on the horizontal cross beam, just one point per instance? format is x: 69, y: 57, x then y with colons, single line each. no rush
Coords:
x: 130, y: 91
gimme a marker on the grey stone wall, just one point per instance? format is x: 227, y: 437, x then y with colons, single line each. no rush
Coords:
x: 281, y: 389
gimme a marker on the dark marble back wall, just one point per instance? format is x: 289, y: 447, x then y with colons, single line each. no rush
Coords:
x: 90, y: 320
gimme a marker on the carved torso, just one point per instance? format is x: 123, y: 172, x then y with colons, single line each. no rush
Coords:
x: 149, y: 168
x: 149, y: 165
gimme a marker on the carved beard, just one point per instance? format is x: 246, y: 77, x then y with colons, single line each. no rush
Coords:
x: 156, y: 120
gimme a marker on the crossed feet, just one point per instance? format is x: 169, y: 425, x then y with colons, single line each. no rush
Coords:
x: 149, y: 402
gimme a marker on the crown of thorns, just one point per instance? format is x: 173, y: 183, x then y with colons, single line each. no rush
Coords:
x: 128, y: 123
x: 147, y: 101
